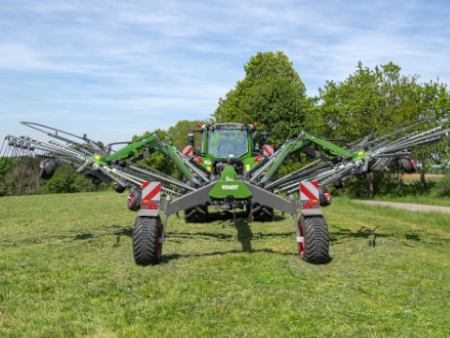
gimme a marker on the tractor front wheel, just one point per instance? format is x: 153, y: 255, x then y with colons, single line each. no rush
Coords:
x: 260, y: 213
x: 198, y: 214
x: 313, y: 247
x: 147, y: 248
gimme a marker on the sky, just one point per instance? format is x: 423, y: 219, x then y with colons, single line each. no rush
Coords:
x: 114, y: 69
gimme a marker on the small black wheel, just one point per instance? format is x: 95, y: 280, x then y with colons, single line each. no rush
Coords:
x: 314, y: 247
x: 339, y: 184
x: 134, y: 199
x: 48, y: 168
x: 147, y: 248
x: 198, y: 214
x: 408, y: 164
x: 260, y: 213
x: 118, y: 188
x: 324, y: 197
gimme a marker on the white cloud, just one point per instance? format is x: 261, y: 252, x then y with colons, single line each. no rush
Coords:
x: 105, y: 61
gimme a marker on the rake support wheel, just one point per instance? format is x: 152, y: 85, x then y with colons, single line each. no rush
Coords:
x: 324, y: 197
x: 314, y: 248
x: 146, y: 247
x: 134, y: 200
x: 408, y: 164
x: 118, y: 188
x: 48, y: 168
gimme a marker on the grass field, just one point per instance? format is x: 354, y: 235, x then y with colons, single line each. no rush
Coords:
x: 66, y: 270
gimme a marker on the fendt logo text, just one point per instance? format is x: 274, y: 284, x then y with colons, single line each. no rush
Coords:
x: 230, y: 187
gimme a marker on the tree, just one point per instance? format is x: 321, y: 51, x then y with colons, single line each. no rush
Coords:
x: 178, y: 133
x: 372, y: 100
x: 5, y: 166
x: 377, y: 99
x: 20, y: 180
x: 271, y: 94
x: 158, y: 160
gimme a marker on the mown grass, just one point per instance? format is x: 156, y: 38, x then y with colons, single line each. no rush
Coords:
x: 67, y: 270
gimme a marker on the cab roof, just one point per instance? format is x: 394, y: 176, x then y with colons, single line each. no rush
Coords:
x: 229, y: 125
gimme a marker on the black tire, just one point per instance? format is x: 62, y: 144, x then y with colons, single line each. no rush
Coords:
x: 324, y: 197
x: 118, y: 188
x: 198, y: 214
x: 408, y: 165
x: 134, y: 200
x: 146, y: 248
x: 260, y: 213
x: 314, y: 248
x: 339, y: 184
x: 48, y: 169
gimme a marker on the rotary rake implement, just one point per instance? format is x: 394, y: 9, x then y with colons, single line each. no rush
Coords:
x: 228, y: 171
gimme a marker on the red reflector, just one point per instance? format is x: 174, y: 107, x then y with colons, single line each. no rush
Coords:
x: 315, y: 202
x: 145, y: 202
x: 197, y: 159
x: 153, y: 206
x: 259, y: 158
x: 413, y: 162
x: 308, y: 205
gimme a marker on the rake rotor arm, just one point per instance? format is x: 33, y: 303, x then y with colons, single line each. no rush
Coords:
x: 53, y: 132
x: 328, y: 147
x: 152, y: 143
x: 301, y: 143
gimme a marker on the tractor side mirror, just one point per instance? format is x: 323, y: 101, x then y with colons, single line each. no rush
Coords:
x: 191, y: 139
x: 264, y: 136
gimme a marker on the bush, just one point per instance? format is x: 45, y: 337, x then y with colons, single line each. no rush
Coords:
x: 443, y: 187
x: 385, y: 184
x: 66, y: 180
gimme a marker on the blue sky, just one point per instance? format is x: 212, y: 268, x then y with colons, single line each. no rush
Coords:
x: 116, y: 69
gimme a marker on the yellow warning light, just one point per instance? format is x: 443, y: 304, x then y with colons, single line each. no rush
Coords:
x: 208, y: 168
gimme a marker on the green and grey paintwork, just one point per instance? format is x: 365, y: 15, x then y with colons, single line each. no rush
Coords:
x: 229, y: 185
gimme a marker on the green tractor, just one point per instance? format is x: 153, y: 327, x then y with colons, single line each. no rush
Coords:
x: 229, y: 151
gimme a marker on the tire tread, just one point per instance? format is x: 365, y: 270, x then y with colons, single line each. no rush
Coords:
x: 145, y: 240
x: 315, y: 233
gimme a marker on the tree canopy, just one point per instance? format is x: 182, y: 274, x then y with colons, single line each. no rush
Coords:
x: 271, y: 93
x: 374, y: 99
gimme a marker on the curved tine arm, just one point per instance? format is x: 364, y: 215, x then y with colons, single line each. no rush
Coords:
x: 36, y: 125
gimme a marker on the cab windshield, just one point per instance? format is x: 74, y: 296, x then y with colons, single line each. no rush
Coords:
x: 223, y: 143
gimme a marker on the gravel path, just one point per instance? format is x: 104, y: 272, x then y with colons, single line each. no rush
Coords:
x: 407, y: 206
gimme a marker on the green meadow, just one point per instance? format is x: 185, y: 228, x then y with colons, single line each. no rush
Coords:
x: 67, y: 270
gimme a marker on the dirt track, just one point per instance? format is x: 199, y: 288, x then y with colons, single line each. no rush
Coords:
x: 417, y: 176
x: 407, y: 206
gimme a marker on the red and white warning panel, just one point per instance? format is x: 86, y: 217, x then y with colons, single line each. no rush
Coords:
x: 309, y: 194
x: 151, y: 195
x: 268, y: 149
x: 187, y: 150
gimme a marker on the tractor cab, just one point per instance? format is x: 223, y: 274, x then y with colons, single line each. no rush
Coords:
x: 228, y: 144
x: 227, y: 140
